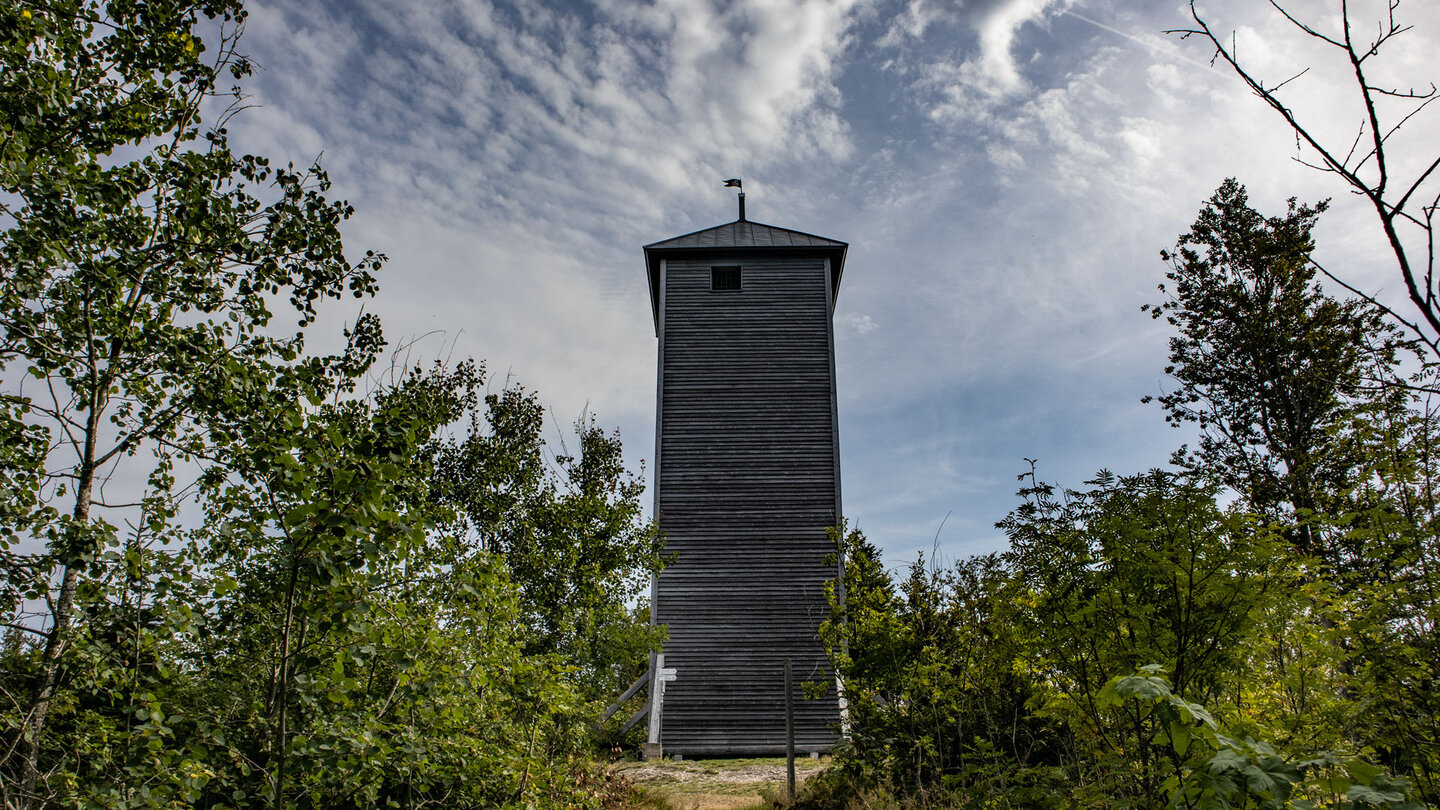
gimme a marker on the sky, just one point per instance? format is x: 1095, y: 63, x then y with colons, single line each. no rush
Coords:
x: 1006, y: 173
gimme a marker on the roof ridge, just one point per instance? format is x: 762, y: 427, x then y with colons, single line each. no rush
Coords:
x: 746, y: 233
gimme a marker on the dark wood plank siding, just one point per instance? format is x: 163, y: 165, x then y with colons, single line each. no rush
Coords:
x: 746, y: 487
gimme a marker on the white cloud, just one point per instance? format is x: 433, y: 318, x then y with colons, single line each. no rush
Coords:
x: 546, y: 98
x: 858, y: 324
x: 1005, y: 171
x: 997, y: 28
x: 966, y: 82
x: 914, y: 20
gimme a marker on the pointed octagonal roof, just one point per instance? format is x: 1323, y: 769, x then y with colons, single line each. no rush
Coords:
x: 734, y: 240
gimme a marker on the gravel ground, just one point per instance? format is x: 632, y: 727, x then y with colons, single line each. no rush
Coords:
x: 716, y: 784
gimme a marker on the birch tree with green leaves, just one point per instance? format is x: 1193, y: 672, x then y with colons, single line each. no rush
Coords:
x: 237, y: 573
x: 142, y: 266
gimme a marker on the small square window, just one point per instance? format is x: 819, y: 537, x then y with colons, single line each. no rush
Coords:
x: 724, y: 279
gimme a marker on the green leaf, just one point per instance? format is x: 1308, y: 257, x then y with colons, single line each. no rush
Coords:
x: 1369, y: 795
x: 1180, y: 737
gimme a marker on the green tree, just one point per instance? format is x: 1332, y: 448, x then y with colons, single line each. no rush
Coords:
x: 359, y: 660
x: 1229, y: 771
x: 316, y: 517
x: 934, y: 700
x: 1304, y: 413
x: 310, y: 643
x: 140, y: 260
x: 571, y: 533
x: 984, y: 681
x: 1134, y: 570
x: 1288, y: 386
x: 317, y: 628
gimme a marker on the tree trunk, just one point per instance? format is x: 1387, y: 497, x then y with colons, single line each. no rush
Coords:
x: 34, y: 726
x: 33, y: 729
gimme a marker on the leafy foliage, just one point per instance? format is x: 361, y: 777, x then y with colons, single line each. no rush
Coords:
x: 284, y: 607
x: 136, y: 291
x: 925, y: 664
x: 1248, y: 772
x: 574, y: 542
x: 1285, y: 382
x: 1257, y: 629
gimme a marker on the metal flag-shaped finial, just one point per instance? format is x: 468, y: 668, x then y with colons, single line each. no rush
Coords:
x: 734, y: 182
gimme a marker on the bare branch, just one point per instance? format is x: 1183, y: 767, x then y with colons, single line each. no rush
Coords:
x: 1289, y: 80
x: 1356, y: 145
x: 1390, y: 211
x: 1407, y: 94
x: 1431, y: 342
x: 1429, y: 170
x: 1317, y: 167
x: 41, y: 633
x: 106, y: 505
x: 1297, y: 23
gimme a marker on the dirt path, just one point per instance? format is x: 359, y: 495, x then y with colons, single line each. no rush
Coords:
x: 717, y: 784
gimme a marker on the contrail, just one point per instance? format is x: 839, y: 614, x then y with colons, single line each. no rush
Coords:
x: 1165, y: 50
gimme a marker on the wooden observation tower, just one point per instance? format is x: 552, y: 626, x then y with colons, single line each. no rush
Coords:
x: 747, y: 484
